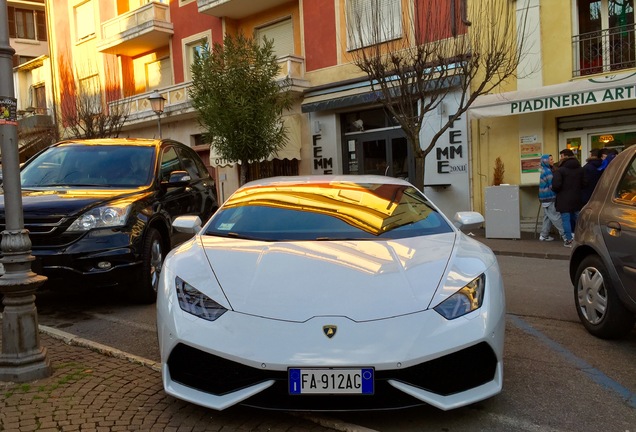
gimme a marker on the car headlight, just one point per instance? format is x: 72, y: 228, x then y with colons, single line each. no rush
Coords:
x: 466, y: 300
x: 196, y: 303
x: 101, y: 217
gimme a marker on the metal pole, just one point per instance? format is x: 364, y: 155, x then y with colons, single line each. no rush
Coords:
x: 22, y: 358
x: 159, y: 124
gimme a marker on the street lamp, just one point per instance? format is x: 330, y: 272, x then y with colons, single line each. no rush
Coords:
x: 156, y: 104
x: 22, y: 358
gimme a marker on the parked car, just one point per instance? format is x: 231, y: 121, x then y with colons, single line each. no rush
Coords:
x: 331, y: 293
x: 603, y: 260
x: 99, y: 212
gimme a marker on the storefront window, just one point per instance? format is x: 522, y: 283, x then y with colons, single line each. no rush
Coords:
x: 619, y: 141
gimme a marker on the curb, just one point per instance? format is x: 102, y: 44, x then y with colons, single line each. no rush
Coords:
x: 545, y: 255
x: 71, y: 339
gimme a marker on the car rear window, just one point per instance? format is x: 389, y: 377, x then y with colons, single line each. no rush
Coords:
x: 79, y: 165
x: 329, y: 211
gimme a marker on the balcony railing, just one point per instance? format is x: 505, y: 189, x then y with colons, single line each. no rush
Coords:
x: 604, y: 51
x: 138, y: 106
x: 178, y: 98
x: 138, y: 31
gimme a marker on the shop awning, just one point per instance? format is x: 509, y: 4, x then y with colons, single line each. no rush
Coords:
x: 290, y: 151
x: 582, y: 92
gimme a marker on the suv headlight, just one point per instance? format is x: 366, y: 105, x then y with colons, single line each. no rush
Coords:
x: 196, y: 303
x: 108, y: 216
x: 464, y: 301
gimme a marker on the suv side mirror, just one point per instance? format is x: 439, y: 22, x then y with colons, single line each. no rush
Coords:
x: 177, y: 179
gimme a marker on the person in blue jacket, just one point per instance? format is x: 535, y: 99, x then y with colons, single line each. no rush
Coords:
x: 547, y: 197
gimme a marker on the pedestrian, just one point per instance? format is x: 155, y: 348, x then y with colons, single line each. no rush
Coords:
x: 607, y: 155
x: 551, y: 217
x: 592, y: 174
x: 568, y: 182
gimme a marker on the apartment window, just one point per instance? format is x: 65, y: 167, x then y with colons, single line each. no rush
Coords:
x: 192, y: 46
x: 373, y: 21
x: 282, y: 33
x: 158, y: 74
x: 26, y: 24
x: 606, y: 36
x: 84, y: 21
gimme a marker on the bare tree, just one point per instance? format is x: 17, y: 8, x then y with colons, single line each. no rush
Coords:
x: 417, y: 58
x: 83, y: 108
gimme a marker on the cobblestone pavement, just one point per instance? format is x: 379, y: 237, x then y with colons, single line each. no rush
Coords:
x: 91, y: 390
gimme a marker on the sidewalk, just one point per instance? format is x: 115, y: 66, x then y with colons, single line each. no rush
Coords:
x: 527, y: 246
x: 97, y: 388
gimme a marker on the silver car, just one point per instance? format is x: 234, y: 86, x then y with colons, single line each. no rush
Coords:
x: 603, y: 260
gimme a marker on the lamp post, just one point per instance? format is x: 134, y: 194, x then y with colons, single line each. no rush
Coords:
x: 157, y: 103
x: 22, y: 358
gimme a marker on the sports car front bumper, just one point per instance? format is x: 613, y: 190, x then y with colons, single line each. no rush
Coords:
x: 418, y: 358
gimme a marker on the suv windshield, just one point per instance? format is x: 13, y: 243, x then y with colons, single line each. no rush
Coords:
x: 77, y: 165
x: 327, y: 211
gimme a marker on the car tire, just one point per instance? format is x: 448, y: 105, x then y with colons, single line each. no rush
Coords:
x: 597, y: 303
x: 153, y: 254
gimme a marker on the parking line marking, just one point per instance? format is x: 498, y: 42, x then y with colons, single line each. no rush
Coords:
x: 596, y: 375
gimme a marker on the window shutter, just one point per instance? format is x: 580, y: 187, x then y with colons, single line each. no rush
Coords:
x: 11, y: 22
x: 283, y: 35
x: 40, y: 23
x: 373, y: 21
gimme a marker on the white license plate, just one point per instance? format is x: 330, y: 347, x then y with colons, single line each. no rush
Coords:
x: 331, y: 381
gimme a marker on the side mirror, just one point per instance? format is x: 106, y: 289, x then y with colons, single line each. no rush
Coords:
x: 177, y: 179
x: 187, y: 224
x: 468, y: 220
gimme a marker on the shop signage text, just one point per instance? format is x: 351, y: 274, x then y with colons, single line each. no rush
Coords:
x: 320, y: 162
x: 444, y: 155
x: 573, y: 100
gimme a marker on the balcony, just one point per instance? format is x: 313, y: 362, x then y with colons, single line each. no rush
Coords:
x: 293, y: 67
x: 34, y: 121
x: 178, y: 98
x: 136, y: 32
x: 236, y: 9
x: 604, y: 51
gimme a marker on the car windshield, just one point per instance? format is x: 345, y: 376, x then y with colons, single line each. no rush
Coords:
x: 327, y: 211
x: 82, y: 165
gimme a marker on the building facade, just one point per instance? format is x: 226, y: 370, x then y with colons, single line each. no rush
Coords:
x: 28, y: 36
x: 576, y: 89
x: 575, y: 86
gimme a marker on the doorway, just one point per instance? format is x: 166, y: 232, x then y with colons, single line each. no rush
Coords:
x: 384, y: 152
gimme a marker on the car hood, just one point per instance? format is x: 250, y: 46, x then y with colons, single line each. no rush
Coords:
x: 64, y: 202
x: 362, y: 280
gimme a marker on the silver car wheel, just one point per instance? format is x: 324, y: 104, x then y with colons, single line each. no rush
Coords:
x: 592, y: 295
x: 156, y: 261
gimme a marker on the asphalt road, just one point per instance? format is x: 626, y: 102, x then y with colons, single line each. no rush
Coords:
x: 557, y: 376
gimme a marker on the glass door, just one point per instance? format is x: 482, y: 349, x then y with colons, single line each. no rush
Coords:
x: 381, y: 153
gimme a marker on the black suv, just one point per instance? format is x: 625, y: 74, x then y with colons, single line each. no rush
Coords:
x: 603, y: 261
x: 99, y: 212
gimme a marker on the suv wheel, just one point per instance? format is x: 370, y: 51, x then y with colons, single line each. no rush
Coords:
x: 145, y: 290
x: 599, y: 308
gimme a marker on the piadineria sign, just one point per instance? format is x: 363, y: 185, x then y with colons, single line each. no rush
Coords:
x: 577, y: 93
x: 573, y: 100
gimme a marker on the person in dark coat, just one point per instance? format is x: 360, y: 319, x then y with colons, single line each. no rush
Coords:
x: 568, y: 182
x: 592, y: 174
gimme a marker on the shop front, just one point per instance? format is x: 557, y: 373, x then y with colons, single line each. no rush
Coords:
x: 581, y: 115
x: 353, y: 135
